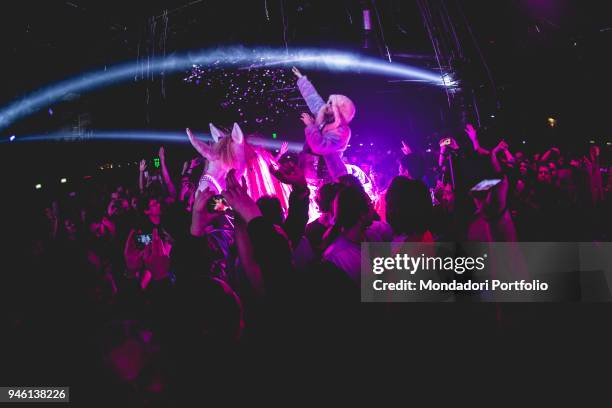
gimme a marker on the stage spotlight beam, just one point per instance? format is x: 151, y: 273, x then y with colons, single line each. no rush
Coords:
x: 232, y: 56
x: 149, y: 137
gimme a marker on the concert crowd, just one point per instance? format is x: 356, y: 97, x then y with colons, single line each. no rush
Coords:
x: 153, y: 277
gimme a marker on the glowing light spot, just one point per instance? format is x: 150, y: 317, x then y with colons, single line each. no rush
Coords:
x: 63, y: 180
x: 38, y: 186
x: 448, y: 81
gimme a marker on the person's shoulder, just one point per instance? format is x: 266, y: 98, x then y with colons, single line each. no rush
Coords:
x: 334, y: 250
x: 340, y: 248
x: 314, y: 226
x: 379, y: 231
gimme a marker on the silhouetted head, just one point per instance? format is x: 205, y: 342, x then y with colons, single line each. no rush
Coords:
x: 325, y: 196
x: 271, y: 209
x: 408, y: 206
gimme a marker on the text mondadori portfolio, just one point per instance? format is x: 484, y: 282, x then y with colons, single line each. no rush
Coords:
x: 492, y: 285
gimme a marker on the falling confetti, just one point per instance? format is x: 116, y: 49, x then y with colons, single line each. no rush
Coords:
x: 266, y: 94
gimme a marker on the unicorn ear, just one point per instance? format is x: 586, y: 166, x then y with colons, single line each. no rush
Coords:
x: 237, y: 134
x: 215, y: 133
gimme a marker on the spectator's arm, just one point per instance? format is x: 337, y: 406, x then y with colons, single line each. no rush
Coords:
x: 499, y: 197
x: 141, y: 177
x: 501, y: 147
x: 406, y: 150
x: 283, y: 149
x: 201, y: 219
x: 473, y: 135
x: 594, y: 176
x: 442, y: 157
x: 546, y: 156
x: 166, y: 175
x: 271, y: 250
x: 509, y: 156
x: 185, y: 167
x: 55, y: 222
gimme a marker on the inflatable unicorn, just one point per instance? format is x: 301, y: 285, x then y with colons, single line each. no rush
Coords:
x: 232, y: 151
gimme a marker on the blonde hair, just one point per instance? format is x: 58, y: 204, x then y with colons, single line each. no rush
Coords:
x: 224, y: 150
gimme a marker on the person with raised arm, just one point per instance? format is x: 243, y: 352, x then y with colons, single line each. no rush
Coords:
x: 327, y: 126
x: 167, y: 180
x: 473, y: 135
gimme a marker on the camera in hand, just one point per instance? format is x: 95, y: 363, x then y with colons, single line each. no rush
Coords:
x: 217, y: 204
x: 144, y: 239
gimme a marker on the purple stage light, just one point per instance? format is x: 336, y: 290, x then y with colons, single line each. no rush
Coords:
x: 367, y: 20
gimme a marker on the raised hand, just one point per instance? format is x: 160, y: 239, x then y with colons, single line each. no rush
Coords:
x: 194, y: 163
x: 200, y: 217
x: 452, y: 144
x: 501, y: 146
x: 307, y: 119
x: 283, y: 149
x: 406, y: 149
x: 296, y: 72
x: 238, y: 198
x: 143, y: 165
x: 594, y: 152
x: 471, y: 131
x: 201, y: 198
x: 157, y: 257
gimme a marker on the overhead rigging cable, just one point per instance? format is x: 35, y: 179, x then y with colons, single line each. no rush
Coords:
x: 482, y: 58
x: 382, y: 33
x: 428, y: 26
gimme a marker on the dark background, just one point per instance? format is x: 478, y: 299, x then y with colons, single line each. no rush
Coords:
x: 523, y: 61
